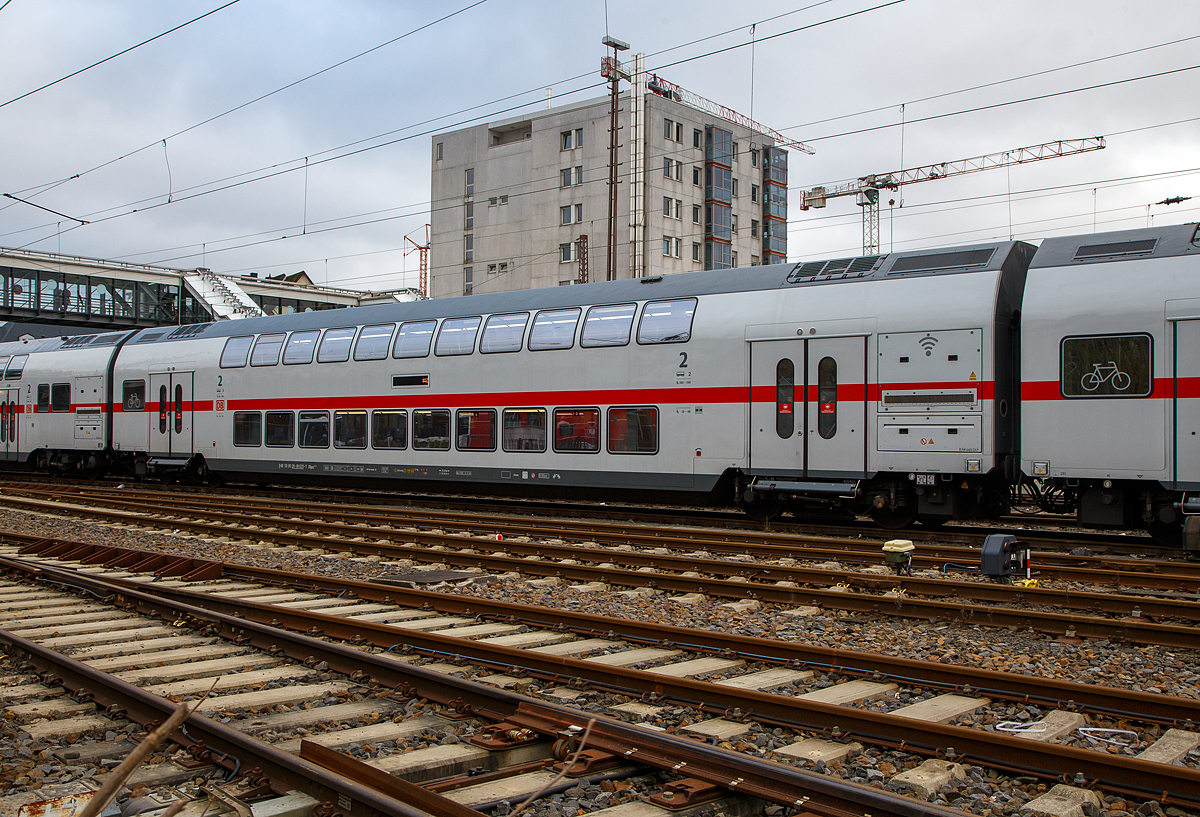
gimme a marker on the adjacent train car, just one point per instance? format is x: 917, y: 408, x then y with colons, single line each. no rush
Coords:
x: 53, y: 402
x: 1111, y: 377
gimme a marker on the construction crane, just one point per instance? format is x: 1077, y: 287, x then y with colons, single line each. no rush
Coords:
x: 866, y: 189
x: 423, y: 254
x: 674, y: 92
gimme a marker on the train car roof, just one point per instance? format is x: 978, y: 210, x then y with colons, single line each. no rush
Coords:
x: 1122, y: 245
x: 968, y: 259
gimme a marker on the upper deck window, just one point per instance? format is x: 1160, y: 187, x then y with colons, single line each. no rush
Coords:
x: 266, y: 350
x: 373, y: 342
x: 15, y: 367
x: 504, y: 333
x: 667, y: 321
x: 457, y: 336
x: 300, y: 348
x: 554, y: 329
x: 335, y: 346
x: 413, y: 339
x: 608, y: 325
x: 236, y: 352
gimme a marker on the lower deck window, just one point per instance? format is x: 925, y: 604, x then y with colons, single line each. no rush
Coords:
x: 524, y: 430
x: 349, y: 429
x: 431, y: 429
x: 477, y: 430
x: 43, y: 403
x: 314, y: 429
x: 247, y: 428
x: 60, y: 397
x: 281, y: 429
x: 389, y: 429
x: 577, y: 430
x: 633, y: 430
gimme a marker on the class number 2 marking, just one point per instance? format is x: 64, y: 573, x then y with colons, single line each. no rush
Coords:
x: 683, y: 360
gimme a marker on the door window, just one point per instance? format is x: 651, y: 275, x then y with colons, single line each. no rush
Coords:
x: 785, y: 398
x: 827, y: 397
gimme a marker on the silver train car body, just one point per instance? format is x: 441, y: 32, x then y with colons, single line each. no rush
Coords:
x: 908, y: 386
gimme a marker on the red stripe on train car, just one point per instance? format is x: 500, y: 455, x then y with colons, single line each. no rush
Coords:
x: 1164, y: 389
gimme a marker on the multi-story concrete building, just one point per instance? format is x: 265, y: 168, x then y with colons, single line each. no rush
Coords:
x: 517, y: 202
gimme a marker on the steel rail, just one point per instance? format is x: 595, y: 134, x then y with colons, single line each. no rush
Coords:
x: 1133, y: 628
x: 258, y: 624
x: 1090, y: 569
x: 284, y: 771
x: 1157, y: 708
x: 786, y: 785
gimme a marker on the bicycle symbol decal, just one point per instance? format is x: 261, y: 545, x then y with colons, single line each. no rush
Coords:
x: 133, y: 403
x: 1105, y: 373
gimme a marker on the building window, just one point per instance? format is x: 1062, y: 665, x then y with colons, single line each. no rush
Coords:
x: 679, y: 171
x: 697, y: 138
x: 492, y: 201
x: 733, y: 260
x: 578, y: 213
x: 567, y: 140
x: 753, y: 228
x: 564, y: 214
x: 564, y: 253
x: 678, y: 131
x: 695, y: 213
x: 470, y: 215
x: 468, y: 282
x: 470, y: 183
x: 667, y: 168
x: 579, y: 137
x: 735, y: 151
x: 667, y: 206
x: 439, y: 151
x: 735, y: 192
x: 733, y: 223
x: 468, y: 248
x: 754, y: 260
x: 503, y: 267
x: 491, y: 269
x: 696, y: 176
x: 667, y: 244
x: 672, y: 247
x: 668, y: 129
x: 566, y: 177
x: 695, y: 251
x: 678, y: 247
x: 754, y: 158
x: 754, y: 192
x: 504, y: 199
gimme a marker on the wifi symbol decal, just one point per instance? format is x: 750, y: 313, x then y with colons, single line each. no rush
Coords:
x: 927, y: 343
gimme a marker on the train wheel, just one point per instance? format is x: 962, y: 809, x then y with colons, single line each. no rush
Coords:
x: 762, y: 510
x: 894, y: 518
x: 1167, y: 534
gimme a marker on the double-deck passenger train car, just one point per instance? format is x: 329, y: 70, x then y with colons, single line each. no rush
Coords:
x: 911, y: 386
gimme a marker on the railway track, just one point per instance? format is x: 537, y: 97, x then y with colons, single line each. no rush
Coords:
x: 293, y: 713
x: 902, y: 708
x: 1142, y: 612
x: 1052, y: 534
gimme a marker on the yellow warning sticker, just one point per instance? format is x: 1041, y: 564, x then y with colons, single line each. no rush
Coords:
x: 972, y: 377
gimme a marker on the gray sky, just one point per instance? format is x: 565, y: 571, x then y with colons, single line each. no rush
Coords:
x: 816, y: 85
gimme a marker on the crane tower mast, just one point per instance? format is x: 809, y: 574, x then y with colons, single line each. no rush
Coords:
x: 866, y: 189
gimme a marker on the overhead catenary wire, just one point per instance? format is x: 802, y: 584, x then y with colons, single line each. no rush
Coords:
x: 118, y: 54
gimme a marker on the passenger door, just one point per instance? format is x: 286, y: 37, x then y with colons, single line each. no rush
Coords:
x: 836, y: 407
x: 776, y: 406
x: 170, y: 416
x: 1187, y: 401
x: 8, y: 423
